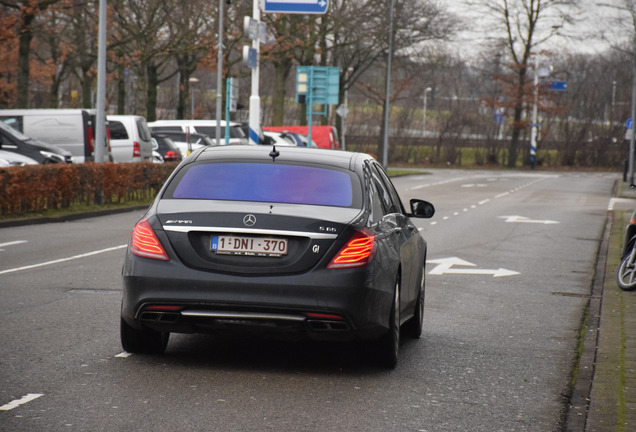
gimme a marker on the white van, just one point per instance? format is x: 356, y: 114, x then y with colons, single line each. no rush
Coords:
x: 70, y: 129
x: 130, y: 139
x: 204, y: 127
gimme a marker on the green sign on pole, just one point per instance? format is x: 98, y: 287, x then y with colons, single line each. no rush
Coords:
x: 317, y: 85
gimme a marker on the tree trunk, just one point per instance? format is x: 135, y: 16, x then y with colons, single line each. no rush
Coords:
x: 184, y: 90
x: 282, y: 71
x: 121, y: 89
x: 514, y: 142
x: 24, y: 50
x: 87, y: 88
x: 151, y: 102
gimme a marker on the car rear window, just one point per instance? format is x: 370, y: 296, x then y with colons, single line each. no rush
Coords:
x: 265, y: 182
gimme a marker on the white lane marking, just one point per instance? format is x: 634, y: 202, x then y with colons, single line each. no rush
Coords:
x: 487, y: 200
x: 123, y: 355
x: 57, y: 261
x: 13, y: 243
x: 523, y: 219
x: 24, y: 399
x: 437, y: 183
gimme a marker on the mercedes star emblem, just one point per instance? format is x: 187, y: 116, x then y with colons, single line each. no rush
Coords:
x: 249, y: 220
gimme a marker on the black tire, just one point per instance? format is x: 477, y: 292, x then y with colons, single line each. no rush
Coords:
x: 389, y: 344
x: 144, y: 341
x: 416, y: 324
x: 626, y: 277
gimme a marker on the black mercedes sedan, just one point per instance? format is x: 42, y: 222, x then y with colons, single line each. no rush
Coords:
x: 291, y: 242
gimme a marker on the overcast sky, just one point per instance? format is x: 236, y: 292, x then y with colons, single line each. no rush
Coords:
x: 594, y: 19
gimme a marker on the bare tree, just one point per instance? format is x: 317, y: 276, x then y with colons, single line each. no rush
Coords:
x: 27, y: 11
x: 523, y: 26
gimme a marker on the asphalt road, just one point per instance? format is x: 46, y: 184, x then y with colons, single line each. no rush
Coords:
x: 511, y: 259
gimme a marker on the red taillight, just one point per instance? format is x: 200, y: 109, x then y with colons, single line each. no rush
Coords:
x: 136, y: 149
x: 91, y: 147
x: 358, y: 251
x: 171, y: 155
x: 108, y: 138
x: 144, y: 242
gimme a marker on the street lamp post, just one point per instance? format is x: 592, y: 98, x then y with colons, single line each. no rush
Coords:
x: 426, y: 91
x: 192, y: 81
x: 385, y: 140
x: 539, y: 72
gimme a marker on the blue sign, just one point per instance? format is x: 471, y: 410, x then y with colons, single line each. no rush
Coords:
x: 630, y: 123
x: 295, y: 6
x: 559, y: 85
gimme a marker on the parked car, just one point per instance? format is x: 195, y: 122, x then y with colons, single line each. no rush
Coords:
x: 13, y: 141
x: 203, y: 127
x: 278, y: 138
x: 130, y: 138
x: 70, y: 129
x: 167, y: 148
x: 188, y: 142
x: 285, y: 137
x: 292, y: 241
x: 9, y: 159
x: 322, y: 136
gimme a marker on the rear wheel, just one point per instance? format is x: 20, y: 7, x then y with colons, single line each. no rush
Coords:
x: 144, y: 341
x: 389, y: 344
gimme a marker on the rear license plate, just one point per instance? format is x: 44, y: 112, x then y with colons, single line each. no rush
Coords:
x: 252, y: 246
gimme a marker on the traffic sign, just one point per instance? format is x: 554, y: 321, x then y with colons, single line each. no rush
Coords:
x: 559, y: 85
x: 630, y: 123
x: 295, y: 6
x: 342, y: 111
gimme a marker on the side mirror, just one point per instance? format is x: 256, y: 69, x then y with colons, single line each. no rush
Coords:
x: 422, y: 209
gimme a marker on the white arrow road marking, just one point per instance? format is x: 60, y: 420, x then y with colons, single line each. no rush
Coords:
x: 444, y: 266
x: 522, y: 219
x: 24, y: 399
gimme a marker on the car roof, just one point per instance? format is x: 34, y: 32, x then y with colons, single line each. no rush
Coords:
x: 336, y: 158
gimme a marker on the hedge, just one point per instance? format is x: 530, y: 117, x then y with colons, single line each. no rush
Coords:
x: 35, y: 188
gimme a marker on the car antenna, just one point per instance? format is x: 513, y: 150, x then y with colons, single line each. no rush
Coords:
x: 274, y: 153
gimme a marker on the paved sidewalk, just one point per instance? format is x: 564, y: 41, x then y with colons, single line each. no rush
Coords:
x: 612, y: 400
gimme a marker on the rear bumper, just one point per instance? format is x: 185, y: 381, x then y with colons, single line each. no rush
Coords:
x: 323, y: 304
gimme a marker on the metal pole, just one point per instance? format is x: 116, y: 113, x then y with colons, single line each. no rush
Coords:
x: 631, y: 139
x: 428, y: 89
x: 385, y: 144
x: 344, y: 120
x: 100, y: 120
x: 255, y: 100
x: 533, y: 129
x: 228, y: 90
x: 219, y: 77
